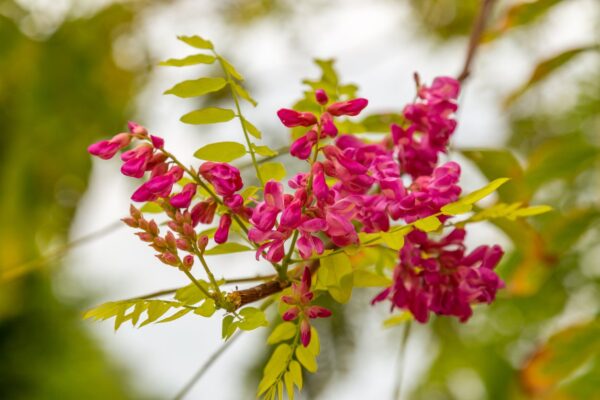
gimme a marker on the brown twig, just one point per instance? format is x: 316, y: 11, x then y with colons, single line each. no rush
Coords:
x: 475, y: 38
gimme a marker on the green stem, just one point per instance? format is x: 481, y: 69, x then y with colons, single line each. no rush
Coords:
x: 231, y: 82
x: 211, y: 277
x: 195, y: 281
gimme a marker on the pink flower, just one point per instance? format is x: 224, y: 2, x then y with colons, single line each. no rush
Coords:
x: 158, y: 186
x: 292, y: 118
x: 225, y: 178
x: 300, y: 299
x: 328, y: 127
x: 438, y: 277
x: 137, y: 129
x: 136, y: 160
x: 351, y: 107
x: 106, y: 149
x: 203, y: 212
x: 157, y: 142
x: 222, y: 232
x: 302, y: 147
x: 184, y: 198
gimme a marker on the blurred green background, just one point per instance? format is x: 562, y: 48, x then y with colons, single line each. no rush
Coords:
x: 61, y: 87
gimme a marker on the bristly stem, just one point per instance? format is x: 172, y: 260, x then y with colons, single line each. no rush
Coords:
x: 231, y: 82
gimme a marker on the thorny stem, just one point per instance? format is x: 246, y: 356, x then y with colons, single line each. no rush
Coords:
x: 231, y: 82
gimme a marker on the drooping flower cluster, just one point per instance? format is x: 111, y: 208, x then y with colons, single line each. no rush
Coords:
x: 439, y: 277
x: 300, y: 300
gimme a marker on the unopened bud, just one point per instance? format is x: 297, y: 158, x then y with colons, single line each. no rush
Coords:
x: 134, y: 212
x: 160, y: 243
x: 188, y: 261
x: 188, y: 230
x: 145, y: 236
x: 130, y: 222
x: 137, y: 129
x: 183, y: 244
x: 153, y: 228
x: 171, y: 241
x: 202, y: 242
x: 168, y: 258
x: 321, y: 97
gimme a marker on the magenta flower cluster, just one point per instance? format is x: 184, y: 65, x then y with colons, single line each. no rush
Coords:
x: 352, y: 185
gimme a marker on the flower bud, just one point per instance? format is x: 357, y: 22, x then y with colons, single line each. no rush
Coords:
x: 321, y: 97
x: 130, y: 222
x: 171, y: 241
x: 202, y: 242
x: 160, y: 243
x: 292, y: 118
x: 137, y: 129
x: 351, y: 107
x: 169, y: 259
x: 157, y: 142
x: 183, y: 244
x: 188, y: 261
x: 188, y: 230
x: 153, y: 228
x: 145, y: 236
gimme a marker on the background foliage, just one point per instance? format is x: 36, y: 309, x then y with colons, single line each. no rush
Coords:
x: 539, y: 340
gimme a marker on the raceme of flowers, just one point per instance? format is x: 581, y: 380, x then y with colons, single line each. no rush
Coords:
x: 351, y: 186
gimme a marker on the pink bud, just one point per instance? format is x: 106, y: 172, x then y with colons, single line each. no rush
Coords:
x: 222, y: 232
x: 157, y: 142
x: 292, y: 118
x: 321, y: 97
x: 302, y: 147
x: 153, y: 228
x: 317, y: 312
x: 107, y: 149
x: 305, y: 332
x: 203, y: 212
x: 169, y: 259
x: 182, y: 244
x: 328, y: 128
x: 350, y: 107
x: 202, y: 242
x: 132, y: 223
x: 136, y: 129
x: 291, y: 314
x: 145, y: 237
x: 171, y: 241
x: 188, y: 261
x: 224, y: 177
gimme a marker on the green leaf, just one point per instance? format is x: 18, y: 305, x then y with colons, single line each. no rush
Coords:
x: 264, y: 151
x: 531, y: 211
x: 393, y: 239
x: 252, y: 318
x: 272, y: 170
x: 221, y: 151
x: 276, y: 365
x: 151, y: 207
x: 156, y: 309
x: 335, y: 274
x: 210, y: 115
x: 227, y: 248
x: 363, y: 278
x: 207, y: 309
x: 306, y: 358
x: 315, y: 344
x: 197, y: 42
x: 398, y: 319
x: 230, y: 69
x: 485, y: 191
x: 456, y: 208
x: 190, y: 294
x: 283, y: 331
x: 189, y: 60
x: 296, y: 372
x: 239, y: 89
x: 228, y: 327
x: 175, y: 316
x: 197, y: 87
x: 103, y: 311
x: 544, y: 69
x: 251, y: 129
x: 428, y: 224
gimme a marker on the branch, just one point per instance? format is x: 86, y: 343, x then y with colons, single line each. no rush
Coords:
x: 475, y: 38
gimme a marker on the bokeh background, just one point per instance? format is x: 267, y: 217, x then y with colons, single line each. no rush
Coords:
x: 72, y: 72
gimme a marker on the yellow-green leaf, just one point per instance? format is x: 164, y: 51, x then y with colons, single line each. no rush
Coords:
x: 175, y: 316
x: 196, y: 41
x: 264, y: 151
x: 189, y: 60
x: 228, y: 327
x: 296, y: 372
x: 197, y: 87
x: 252, y: 318
x: 456, y: 208
x: 221, y: 151
x: 243, y: 93
x: 428, y: 224
x: 485, y: 191
x: 227, y: 248
x: 272, y: 170
x: 230, y: 69
x: 315, y: 344
x: 210, y: 115
x: 289, y: 385
x: 151, y: 207
x: 283, y: 331
x: 251, y: 129
x: 393, y: 239
x: 207, y: 309
x: 190, y: 294
x: 363, y: 278
x: 530, y: 211
x: 398, y: 319
x: 306, y: 358
x: 336, y: 275
x: 275, y: 367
